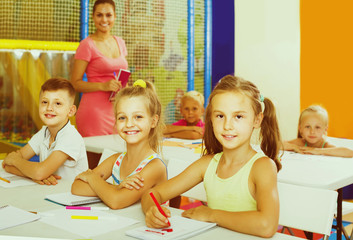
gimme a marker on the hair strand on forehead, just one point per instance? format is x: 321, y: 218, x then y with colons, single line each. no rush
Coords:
x: 55, y: 84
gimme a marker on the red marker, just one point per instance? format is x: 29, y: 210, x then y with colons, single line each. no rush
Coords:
x: 159, y: 206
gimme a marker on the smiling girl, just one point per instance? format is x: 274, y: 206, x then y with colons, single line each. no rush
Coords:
x: 137, y: 112
x: 312, y: 130
x: 240, y: 183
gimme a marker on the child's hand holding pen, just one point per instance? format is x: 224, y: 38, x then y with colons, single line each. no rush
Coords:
x: 155, y: 219
x: 157, y: 216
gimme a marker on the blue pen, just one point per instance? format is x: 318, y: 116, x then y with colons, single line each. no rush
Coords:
x: 115, y: 74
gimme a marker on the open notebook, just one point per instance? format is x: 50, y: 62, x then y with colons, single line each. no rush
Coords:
x: 11, y: 216
x: 68, y: 199
x: 183, y: 228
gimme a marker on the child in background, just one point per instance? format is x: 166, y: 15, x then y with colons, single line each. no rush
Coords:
x: 137, y: 112
x: 240, y: 184
x: 60, y: 147
x: 312, y: 131
x: 191, y: 127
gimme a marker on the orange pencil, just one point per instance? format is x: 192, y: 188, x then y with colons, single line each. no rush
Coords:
x: 5, y: 180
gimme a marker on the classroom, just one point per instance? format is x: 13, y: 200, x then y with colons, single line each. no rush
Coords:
x: 295, y: 55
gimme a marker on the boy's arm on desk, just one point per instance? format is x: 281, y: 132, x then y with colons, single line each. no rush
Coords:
x: 35, y: 170
x: 25, y: 153
x: 12, y: 170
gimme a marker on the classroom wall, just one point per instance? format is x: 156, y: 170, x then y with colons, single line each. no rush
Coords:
x: 267, y: 52
x: 327, y: 61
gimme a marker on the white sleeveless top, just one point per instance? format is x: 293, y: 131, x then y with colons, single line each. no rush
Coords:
x: 143, y: 163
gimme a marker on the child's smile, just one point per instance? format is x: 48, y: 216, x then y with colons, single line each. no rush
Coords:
x: 54, y: 108
x: 133, y: 119
x: 233, y: 119
x: 312, y: 129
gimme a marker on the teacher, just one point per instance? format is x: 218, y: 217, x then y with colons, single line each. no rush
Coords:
x: 100, y: 55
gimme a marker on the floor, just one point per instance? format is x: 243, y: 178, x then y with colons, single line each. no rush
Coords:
x: 349, y: 218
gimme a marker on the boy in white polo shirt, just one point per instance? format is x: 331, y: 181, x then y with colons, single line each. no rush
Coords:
x: 60, y: 147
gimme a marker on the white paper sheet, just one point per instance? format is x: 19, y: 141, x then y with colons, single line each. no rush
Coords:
x: 15, y: 181
x: 27, y: 238
x: 11, y: 216
x: 61, y: 218
x: 183, y: 228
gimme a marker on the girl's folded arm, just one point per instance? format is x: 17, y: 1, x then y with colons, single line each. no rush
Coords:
x: 332, y: 151
x: 292, y: 145
x: 104, y: 170
x: 116, y: 198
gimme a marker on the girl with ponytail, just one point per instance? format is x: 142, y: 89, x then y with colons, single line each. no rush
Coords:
x: 240, y: 183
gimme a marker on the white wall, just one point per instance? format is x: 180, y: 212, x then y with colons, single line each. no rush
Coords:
x: 267, y: 52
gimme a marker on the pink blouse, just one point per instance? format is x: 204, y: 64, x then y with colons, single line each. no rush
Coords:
x: 95, y: 115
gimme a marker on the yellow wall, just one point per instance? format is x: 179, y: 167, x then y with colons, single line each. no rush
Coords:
x: 327, y: 61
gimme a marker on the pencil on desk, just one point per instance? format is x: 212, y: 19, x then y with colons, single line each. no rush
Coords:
x: 5, y: 180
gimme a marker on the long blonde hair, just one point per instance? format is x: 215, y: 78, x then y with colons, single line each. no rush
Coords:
x: 154, y: 107
x: 270, y: 135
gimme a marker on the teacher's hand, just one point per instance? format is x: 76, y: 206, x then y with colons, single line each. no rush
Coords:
x: 112, y: 86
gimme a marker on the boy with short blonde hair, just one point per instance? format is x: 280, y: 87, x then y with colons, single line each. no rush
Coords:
x: 191, y: 126
x: 60, y: 147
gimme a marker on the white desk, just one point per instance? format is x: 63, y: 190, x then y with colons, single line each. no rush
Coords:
x: 31, y: 198
x: 307, y: 170
x: 325, y: 172
x: 97, y: 144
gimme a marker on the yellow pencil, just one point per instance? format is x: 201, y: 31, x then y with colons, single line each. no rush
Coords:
x: 5, y: 180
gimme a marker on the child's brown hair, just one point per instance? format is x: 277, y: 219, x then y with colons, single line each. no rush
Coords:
x: 270, y: 135
x: 55, y: 84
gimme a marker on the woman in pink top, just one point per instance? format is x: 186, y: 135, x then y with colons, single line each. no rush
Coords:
x: 99, y: 55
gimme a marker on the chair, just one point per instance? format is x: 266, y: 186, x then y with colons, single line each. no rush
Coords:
x: 347, y: 207
x: 308, y: 209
